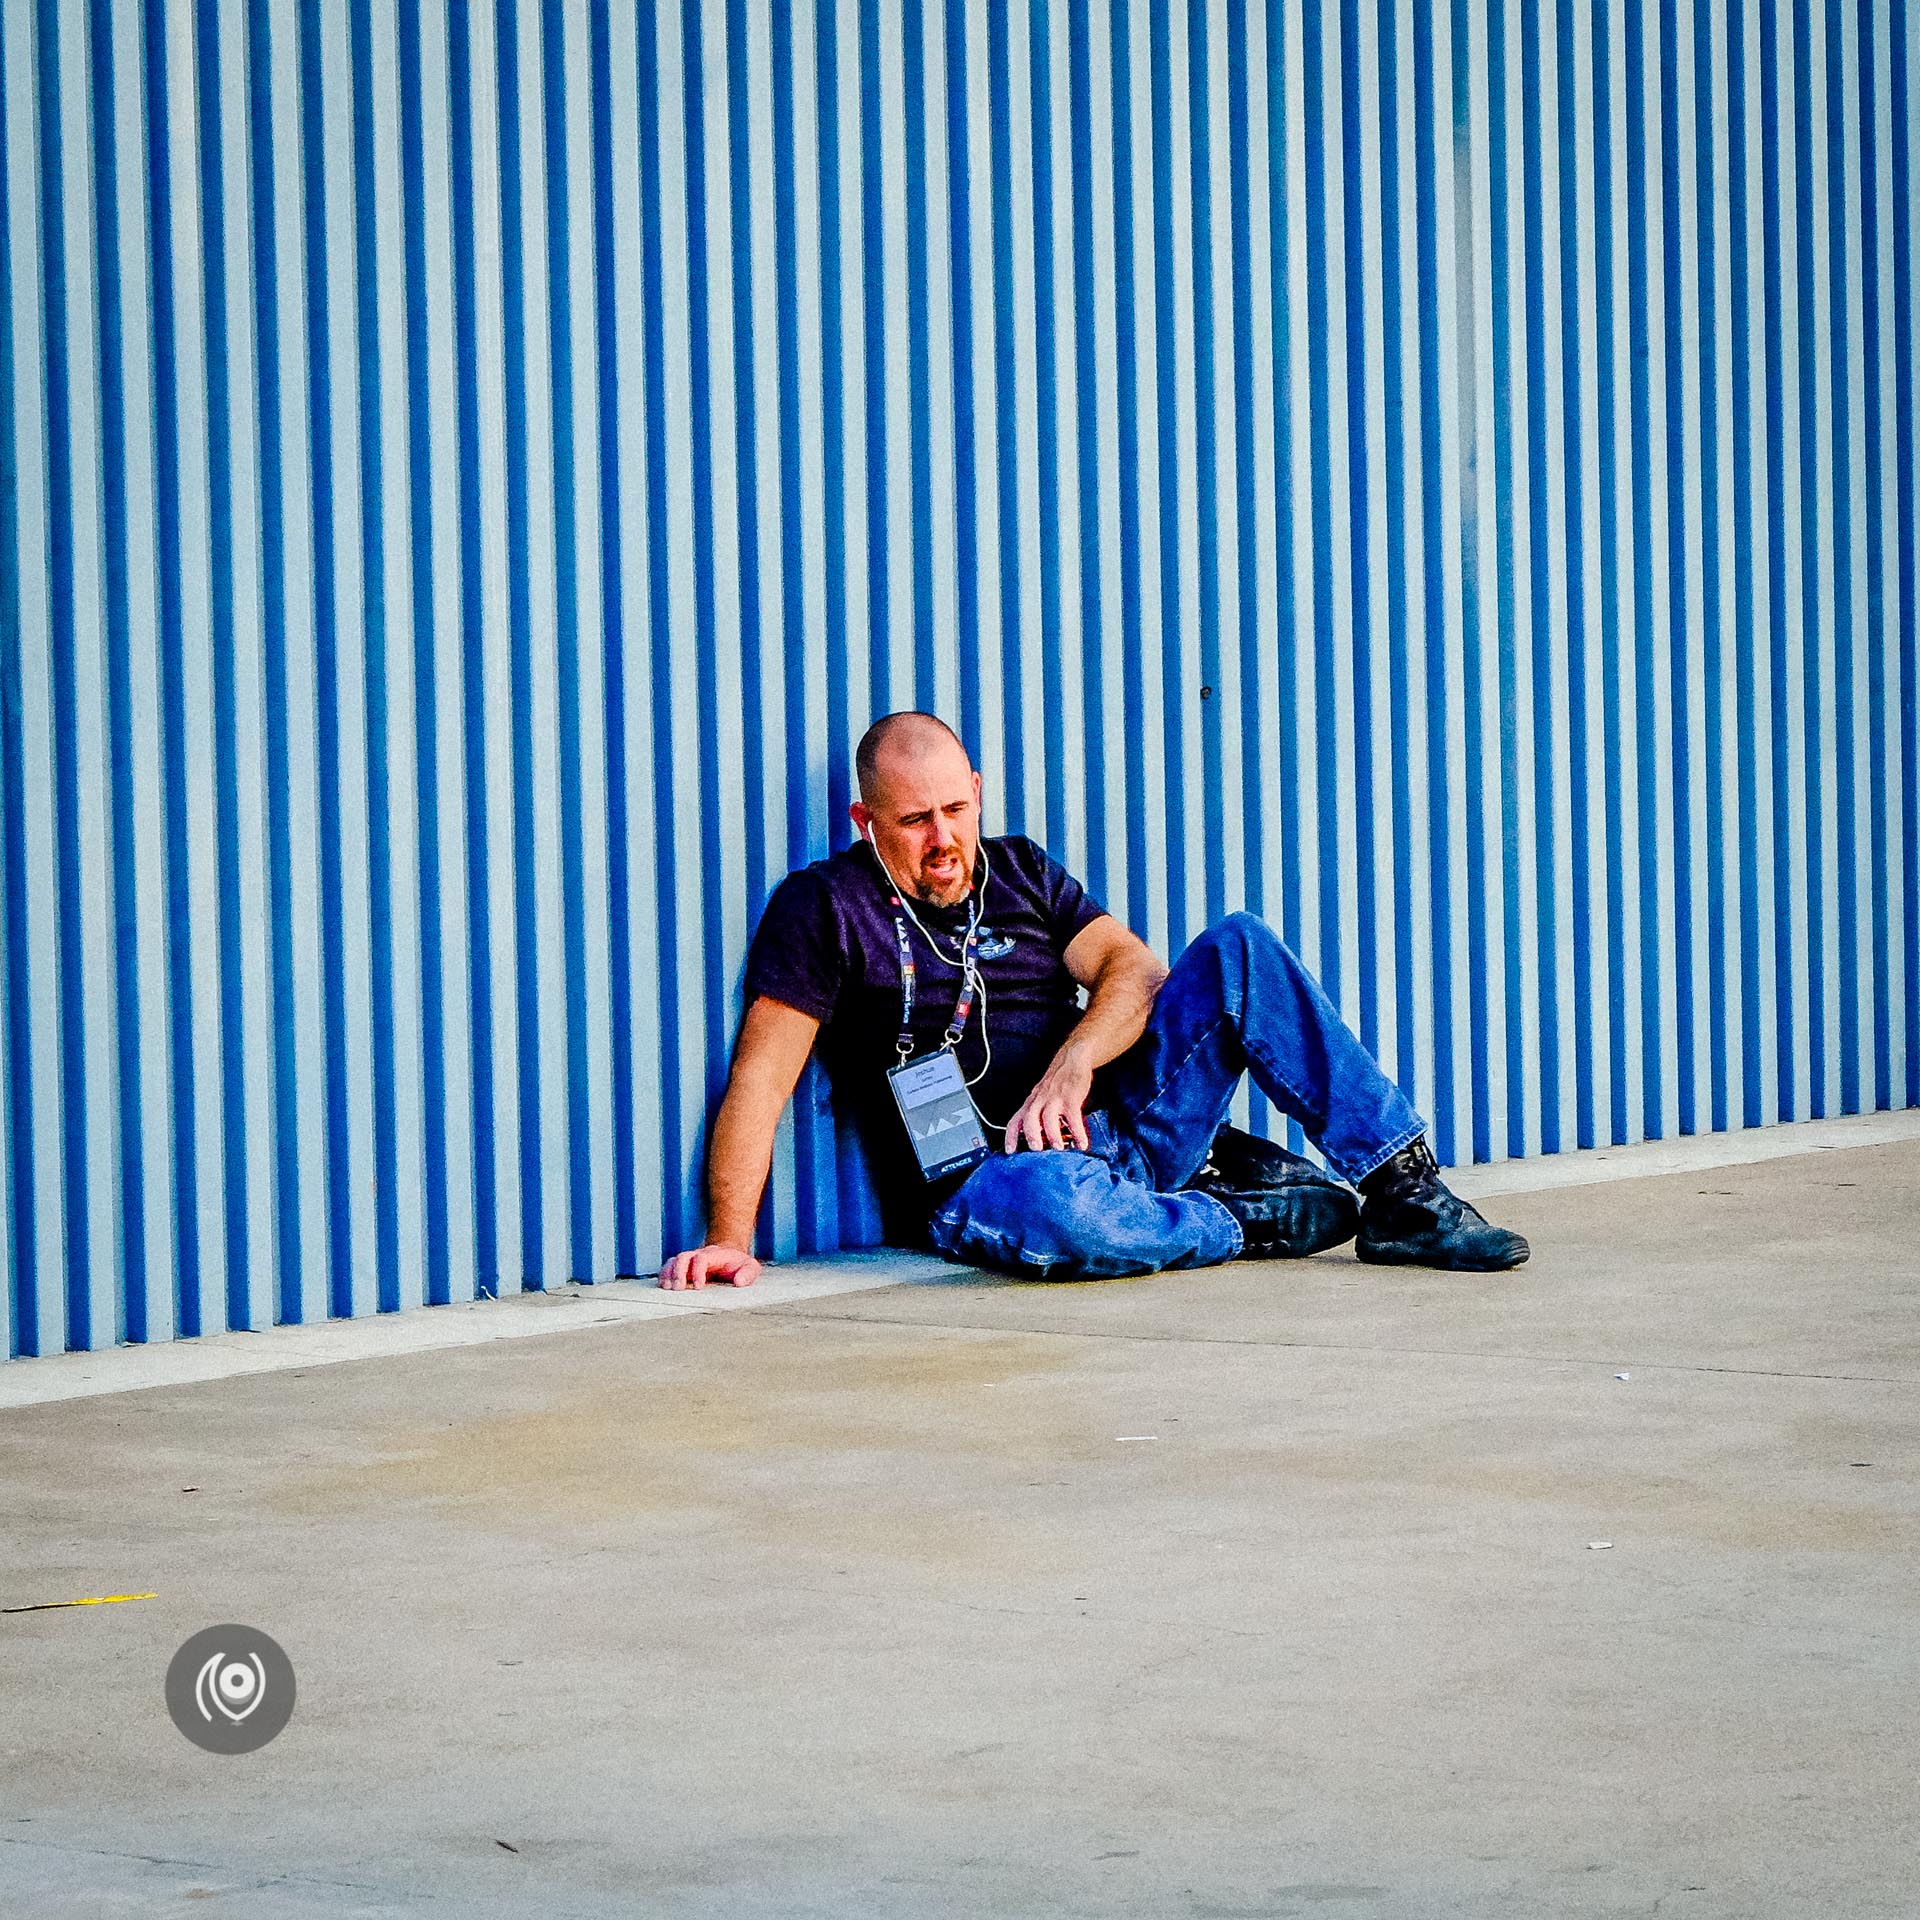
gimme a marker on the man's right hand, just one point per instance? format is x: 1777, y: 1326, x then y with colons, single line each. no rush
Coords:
x: 701, y: 1264
x: 775, y: 1040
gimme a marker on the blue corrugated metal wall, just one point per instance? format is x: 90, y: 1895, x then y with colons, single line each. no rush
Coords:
x: 1442, y: 475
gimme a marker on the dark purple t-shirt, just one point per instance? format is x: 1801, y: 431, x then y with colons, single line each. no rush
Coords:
x: 826, y: 945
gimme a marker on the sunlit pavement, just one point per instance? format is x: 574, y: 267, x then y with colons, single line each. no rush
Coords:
x: 1588, y: 1589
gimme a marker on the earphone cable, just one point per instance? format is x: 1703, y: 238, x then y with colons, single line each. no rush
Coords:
x: 966, y: 964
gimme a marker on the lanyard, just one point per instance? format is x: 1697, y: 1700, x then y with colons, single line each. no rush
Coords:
x: 909, y: 974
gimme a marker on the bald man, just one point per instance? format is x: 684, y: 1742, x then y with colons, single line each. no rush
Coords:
x: 939, y: 977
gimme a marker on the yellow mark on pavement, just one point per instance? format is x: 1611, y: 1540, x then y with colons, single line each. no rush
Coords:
x: 96, y: 1600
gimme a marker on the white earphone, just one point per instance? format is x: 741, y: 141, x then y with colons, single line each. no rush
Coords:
x: 963, y: 962
x: 973, y: 910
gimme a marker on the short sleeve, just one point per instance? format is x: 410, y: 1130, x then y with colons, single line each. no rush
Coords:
x: 796, y: 956
x: 1069, y: 907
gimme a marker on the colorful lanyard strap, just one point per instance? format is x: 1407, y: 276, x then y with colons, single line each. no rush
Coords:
x: 909, y: 974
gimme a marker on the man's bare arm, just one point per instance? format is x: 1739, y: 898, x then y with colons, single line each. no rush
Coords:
x: 775, y: 1040
x: 1122, y: 974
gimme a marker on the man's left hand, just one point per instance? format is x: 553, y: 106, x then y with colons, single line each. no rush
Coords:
x: 1054, y: 1112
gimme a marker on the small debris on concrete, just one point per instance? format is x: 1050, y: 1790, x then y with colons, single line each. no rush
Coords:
x: 508, y: 1844
x: 1136, y: 1436
x: 1623, y: 1376
x: 1598, y: 1546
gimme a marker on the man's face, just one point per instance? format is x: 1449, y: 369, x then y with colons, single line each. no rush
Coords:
x: 925, y: 816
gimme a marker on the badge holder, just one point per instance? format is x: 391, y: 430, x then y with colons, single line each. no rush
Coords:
x: 939, y: 1112
x: 942, y: 1122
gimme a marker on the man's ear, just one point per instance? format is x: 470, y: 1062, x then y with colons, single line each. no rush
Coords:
x: 862, y: 817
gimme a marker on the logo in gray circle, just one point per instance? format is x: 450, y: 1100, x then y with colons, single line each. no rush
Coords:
x: 230, y: 1689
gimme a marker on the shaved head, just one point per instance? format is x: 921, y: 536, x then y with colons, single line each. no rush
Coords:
x: 920, y: 805
x: 902, y: 736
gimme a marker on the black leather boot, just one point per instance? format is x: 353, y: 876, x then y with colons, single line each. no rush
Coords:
x: 1287, y: 1208
x: 1413, y: 1219
x: 1246, y: 1160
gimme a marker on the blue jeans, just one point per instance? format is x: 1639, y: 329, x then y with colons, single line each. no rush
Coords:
x: 1237, y: 1001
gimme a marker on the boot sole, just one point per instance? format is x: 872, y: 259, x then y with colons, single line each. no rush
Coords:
x: 1378, y: 1257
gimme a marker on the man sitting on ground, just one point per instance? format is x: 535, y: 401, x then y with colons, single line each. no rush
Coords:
x: 939, y: 975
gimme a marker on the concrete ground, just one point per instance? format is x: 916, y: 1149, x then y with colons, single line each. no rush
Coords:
x: 1268, y: 1590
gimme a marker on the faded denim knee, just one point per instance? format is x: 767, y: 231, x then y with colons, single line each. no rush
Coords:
x: 1071, y: 1216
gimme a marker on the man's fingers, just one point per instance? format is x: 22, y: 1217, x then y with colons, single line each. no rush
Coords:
x: 1044, y: 1122
x: 1048, y: 1123
x: 687, y: 1269
x: 698, y: 1265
